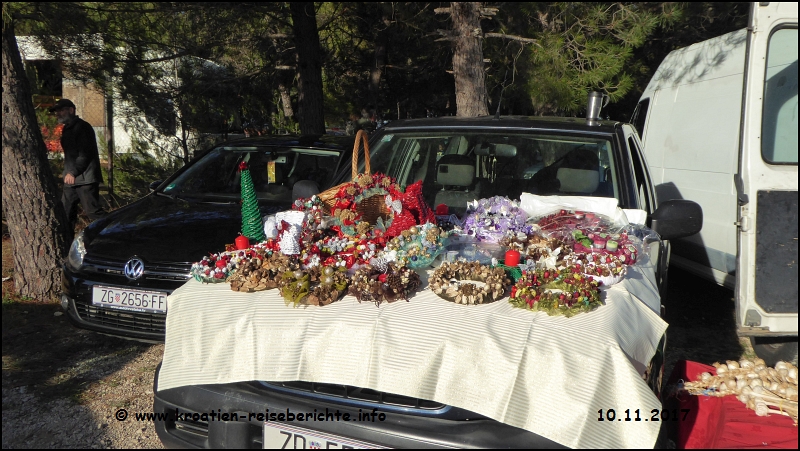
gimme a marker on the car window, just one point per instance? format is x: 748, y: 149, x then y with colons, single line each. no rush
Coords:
x: 457, y: 167
x: 274, y: 171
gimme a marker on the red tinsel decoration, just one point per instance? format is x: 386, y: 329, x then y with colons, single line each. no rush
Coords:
x: 415, y: 210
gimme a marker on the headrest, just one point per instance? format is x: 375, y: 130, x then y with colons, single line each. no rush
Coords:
x: 455, y: 170
x: 304, y: 189
x: 582, y: 181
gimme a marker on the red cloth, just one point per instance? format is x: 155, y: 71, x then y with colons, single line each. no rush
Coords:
x: 721, y: 422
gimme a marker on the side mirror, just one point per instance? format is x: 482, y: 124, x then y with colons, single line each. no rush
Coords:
x: 155, y: 185
x: 677, y: 218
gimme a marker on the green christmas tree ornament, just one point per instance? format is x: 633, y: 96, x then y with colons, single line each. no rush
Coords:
x: 252, y: 227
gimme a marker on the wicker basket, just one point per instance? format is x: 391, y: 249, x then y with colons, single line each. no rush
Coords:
x: 371, y: 208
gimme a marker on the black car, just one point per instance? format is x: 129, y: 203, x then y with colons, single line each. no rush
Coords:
x: 121, y: 268
x: 459, y: 160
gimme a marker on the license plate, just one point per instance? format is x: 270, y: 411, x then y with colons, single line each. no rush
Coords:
x: 282, y: 436
x: 128, y: 299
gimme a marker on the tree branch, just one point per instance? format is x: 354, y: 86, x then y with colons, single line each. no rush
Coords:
x: 512, y: 37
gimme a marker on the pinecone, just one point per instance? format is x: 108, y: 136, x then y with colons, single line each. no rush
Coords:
x: 395, y: 282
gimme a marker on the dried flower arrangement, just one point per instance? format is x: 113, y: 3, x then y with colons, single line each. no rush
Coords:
x: 546, y: 253
x: 369, y: 284
x: 447, y: 280
x: 763, y: 389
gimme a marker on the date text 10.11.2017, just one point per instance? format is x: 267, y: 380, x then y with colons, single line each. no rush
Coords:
x: 635, y: 415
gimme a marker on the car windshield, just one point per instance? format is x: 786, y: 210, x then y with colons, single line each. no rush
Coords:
x: 459, y: 166
x: 274, y: 170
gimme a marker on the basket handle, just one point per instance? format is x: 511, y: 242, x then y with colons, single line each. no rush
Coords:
x: 361, y: 137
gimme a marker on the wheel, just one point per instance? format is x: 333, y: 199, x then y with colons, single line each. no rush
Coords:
x: 774, y: 349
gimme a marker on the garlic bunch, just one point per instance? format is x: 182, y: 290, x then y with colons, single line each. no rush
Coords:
x: 763, y: 389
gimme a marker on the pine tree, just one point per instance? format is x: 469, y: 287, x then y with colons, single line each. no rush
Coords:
x: 252, y: 227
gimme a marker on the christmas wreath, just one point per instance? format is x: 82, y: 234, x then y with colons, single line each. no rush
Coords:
x: 259, y: 273
x: 418, y: 246
x: 318, y: 286
x: 604, y: 268
x: 456, y: 282
x: 370, y: 284
x: 491, y: 219
x: 562, y: 292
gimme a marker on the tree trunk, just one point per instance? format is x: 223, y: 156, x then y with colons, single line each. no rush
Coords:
x: 309, y: 69
x: 36, y: 219
x: 468, y: 60
x: 376, y: 71
x: 286, y: 99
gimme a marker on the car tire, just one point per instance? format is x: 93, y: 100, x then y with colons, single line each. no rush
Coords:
x: 654, y: 373
x: 775, y: 349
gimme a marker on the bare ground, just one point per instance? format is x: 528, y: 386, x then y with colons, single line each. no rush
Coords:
x: 62, y: 386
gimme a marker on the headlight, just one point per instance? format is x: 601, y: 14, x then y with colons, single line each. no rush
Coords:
x: 76, y: 252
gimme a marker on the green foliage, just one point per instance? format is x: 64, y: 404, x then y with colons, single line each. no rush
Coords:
x: 579, y: 47
x: 216, y: 67
x: 133, y: 173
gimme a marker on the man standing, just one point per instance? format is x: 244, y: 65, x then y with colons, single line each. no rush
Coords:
x: 82, y: 175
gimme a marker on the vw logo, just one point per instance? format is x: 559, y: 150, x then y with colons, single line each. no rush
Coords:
x: 134, y: 268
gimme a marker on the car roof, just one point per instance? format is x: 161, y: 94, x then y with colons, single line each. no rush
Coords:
x: 328, y: 142
x: 510, y: 122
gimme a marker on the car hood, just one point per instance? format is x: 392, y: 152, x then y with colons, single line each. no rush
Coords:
x: 162, y: 229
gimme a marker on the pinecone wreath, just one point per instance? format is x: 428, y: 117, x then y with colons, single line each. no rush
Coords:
x: 370, y: 285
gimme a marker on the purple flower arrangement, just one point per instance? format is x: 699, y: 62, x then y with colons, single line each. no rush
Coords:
x: 490, y: 219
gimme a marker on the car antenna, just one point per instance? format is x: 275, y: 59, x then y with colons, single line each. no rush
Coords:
x: 500, y: 101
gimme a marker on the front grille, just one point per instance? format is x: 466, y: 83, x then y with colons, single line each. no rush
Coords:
x: 360, y: 394
x: 152, y: 271
x: 131, y: 321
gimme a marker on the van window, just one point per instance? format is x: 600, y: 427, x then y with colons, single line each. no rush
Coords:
x: 779, y: 120
x: 640, y: 116
x: 642, y: 179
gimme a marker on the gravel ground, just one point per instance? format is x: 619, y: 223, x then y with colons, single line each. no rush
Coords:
x: 75, y: 406
x: 62, y: 386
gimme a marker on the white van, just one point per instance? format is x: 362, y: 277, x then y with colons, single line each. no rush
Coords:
x: 719, y: 125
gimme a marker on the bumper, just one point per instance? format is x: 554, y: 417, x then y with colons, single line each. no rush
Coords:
x: 399, y: 430
x: 76, y: 297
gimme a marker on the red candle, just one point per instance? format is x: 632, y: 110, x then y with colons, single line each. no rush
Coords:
x: 242, y: 242
x: 512, y: 258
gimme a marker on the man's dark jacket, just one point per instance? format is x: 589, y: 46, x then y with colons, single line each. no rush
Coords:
x: 81, y: 158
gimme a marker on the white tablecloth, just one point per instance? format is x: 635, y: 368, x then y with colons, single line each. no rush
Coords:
x: 549, y: 375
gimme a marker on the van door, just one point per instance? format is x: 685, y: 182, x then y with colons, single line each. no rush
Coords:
x: 766, y: 286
